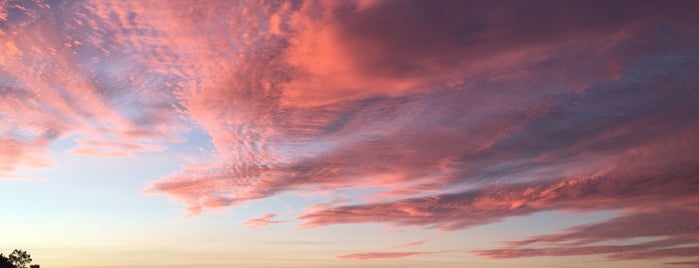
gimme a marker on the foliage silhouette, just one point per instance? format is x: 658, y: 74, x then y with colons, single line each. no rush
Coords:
x: 17, y: 259
x: 20, y: 258
x: 5, y: 262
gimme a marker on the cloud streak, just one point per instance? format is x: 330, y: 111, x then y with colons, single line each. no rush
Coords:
x: 684, y: 263
x: 384, y: 255
x: 476, y: 207
x: 262, y: 221
x: 409, y: 244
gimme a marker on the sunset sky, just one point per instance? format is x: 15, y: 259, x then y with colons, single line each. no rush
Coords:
x: 332, y: 133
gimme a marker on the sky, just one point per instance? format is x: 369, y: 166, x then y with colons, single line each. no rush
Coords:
x: 369, y: 133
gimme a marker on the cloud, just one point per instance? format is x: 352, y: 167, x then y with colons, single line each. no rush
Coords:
x: 656, y: 208
x: 22, y: 155
x: 652, y: 221
x: 85, y: 84
x: 492, y: 204
x: 393, y: 48
x: 672, y: 231
x: 409, y: 244
x: 684, y: 263
x: 535, y: 101
x: 262, y: 221
x: 658, y: 253
x: 616, y: 252
x: 385, y: 255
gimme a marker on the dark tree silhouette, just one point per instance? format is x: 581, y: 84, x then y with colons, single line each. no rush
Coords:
x: 20, y: 258
x: 5, y: 262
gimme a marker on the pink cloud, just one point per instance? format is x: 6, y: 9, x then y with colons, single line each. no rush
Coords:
x: 685, y: 263
x: 262, y: 221
x: 16, y: 155
x: 569, y: 251
x: 278, y: 126
x: 652, y: 208
x: 651, y: 221
x: 112, y: 148
x: 385, y: 255
x: 673, y: 232
x: 71, y: 85
x: 657, y: 253
x: 492, y: 204
x: 350, y: 50
x: 617, y: 252
x: 409, y: 244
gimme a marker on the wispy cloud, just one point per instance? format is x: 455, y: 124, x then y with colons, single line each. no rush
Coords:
x: 652, y: 207
x: 385, y: 255
x: 79, y: 83
x: 685, y: 263
x: 409, y: 244
x: 262, y: 221
x: 492, y: 204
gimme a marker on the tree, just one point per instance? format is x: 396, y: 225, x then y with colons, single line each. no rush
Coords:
x: 5, y: 262
x: 20, y: 258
